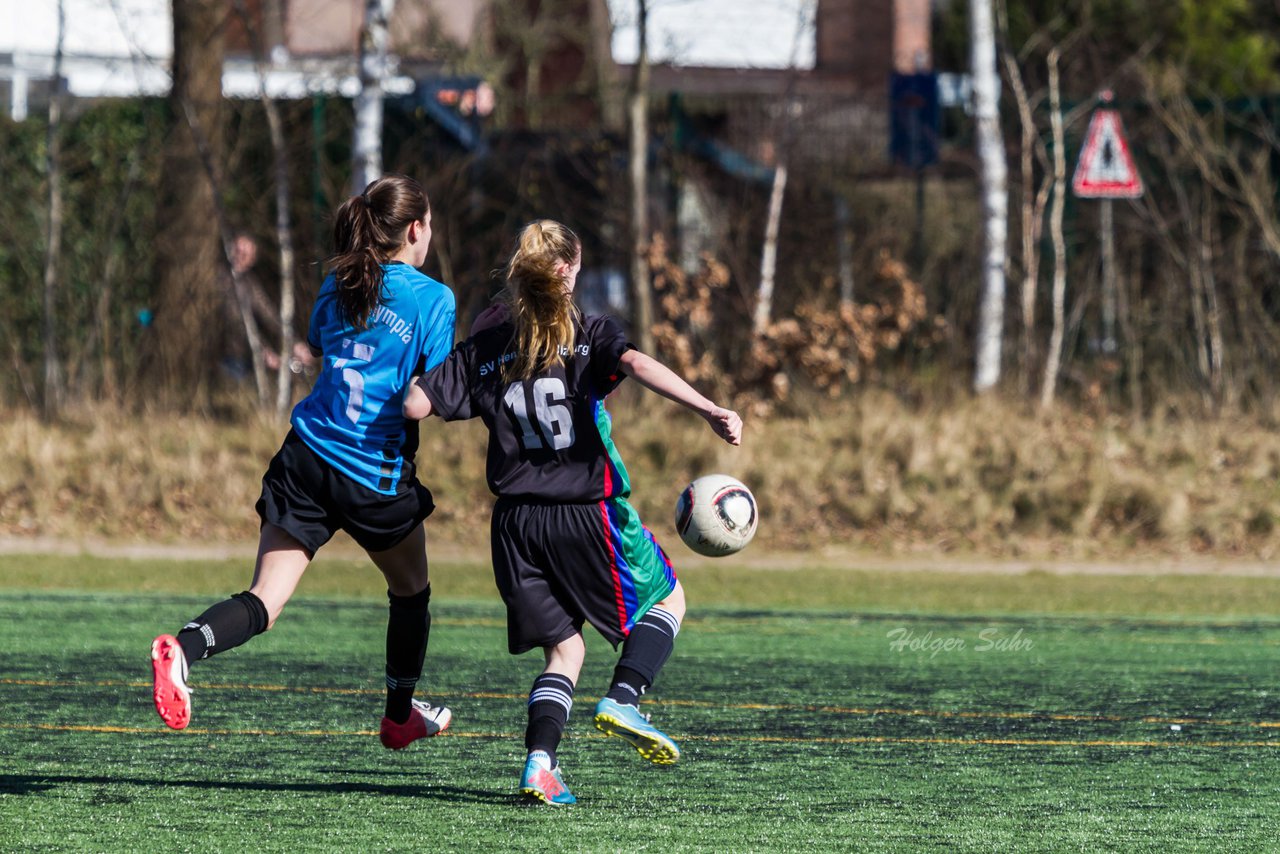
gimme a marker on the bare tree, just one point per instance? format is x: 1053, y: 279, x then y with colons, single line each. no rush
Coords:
x: 783, y: 135
x: 366, y: 143
x: 603, y: 68
x: 769, y: 255
x: 284, y: 236
x: 1191, y: 252
x: 284, y: 224
x: 100, y: 335
x: 844, y: 250
x: 995, y: 205
x: 190, y: 282
x: 1033, y: 199
x: 240, y: 288
x: 533, y: 33
x: 1053, y: 358
x: 638, y: 107
x: 53, y: 390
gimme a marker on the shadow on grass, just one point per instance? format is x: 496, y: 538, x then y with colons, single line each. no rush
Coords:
x: 30, y: 784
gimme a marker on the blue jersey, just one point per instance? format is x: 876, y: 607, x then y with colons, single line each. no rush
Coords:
x: 352, y: 419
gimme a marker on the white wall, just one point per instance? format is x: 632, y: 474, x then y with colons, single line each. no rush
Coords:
x: 114, y: 28
x: 110, y: 47
x: 719, y: 33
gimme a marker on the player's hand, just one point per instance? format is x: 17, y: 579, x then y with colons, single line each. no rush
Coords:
x: 726, y: 423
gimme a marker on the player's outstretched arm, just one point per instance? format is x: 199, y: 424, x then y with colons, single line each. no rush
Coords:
x: 657, y: 377
x: 417, y: 405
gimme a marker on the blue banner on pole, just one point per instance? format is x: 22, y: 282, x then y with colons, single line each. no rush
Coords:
x: 913, y: 133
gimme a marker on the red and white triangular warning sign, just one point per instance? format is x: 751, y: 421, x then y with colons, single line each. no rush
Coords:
x: 1105, y: 169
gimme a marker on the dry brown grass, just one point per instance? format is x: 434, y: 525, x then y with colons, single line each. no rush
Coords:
x: 976, y: 476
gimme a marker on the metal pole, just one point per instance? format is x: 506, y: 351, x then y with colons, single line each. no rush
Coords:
x: 1108, y: 235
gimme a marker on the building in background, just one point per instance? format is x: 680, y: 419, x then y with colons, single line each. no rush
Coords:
x: 738, y: 64
x: 123, y: 48
x: 826, y: 98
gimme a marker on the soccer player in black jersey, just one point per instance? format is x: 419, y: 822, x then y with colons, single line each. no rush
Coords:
x: 567, y: 547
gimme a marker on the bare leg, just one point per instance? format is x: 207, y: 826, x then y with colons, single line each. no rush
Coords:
x: 566, y: 657
x: 404, y: 565
x: 674, y: 604
x: 281, y: 562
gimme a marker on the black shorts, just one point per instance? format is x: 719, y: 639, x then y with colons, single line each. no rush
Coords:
x: 558, y: 566
x: 311, y: 500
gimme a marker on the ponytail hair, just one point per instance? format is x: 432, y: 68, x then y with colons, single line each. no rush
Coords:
x: 540, y: 303
x: 368, y: 230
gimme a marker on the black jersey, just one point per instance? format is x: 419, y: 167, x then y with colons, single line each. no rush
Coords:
x: 548, y: 435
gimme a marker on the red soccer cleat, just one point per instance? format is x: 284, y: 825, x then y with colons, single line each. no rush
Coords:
x: 169, y: 673
x: 424, y: 721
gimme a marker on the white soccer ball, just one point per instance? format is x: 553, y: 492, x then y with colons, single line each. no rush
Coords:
x: 716, y: 515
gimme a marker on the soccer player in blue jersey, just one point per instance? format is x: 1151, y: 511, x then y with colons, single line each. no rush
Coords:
x: 347, y: 462
x: 567, y: 547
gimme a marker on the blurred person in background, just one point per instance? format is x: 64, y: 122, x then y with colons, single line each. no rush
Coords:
x: 237, y: 361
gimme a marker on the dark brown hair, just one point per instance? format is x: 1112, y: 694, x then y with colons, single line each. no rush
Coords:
x: 541, y: 306
x: 368, y: 230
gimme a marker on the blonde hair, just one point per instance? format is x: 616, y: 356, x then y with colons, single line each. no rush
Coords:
x: 540, y: 304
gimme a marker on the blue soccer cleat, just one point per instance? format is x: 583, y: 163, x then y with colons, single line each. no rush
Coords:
x: 544, y: 783
x: 628, y: 724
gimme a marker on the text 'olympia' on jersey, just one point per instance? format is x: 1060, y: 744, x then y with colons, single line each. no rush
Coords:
x: 352, y: 418
x: 549, y: 435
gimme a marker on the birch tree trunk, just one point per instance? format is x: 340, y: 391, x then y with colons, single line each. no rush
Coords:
x: 769, y: 256
x: 53, y: 391
x: 783, y: 135
x: 641, y: 291
x: 366, y: 143
x: 1217, y: 377
x: 995, y: 205
x: 1053, y: 359
x: 1033, y: 203
x: 284, y: 222
x: 284, y: 236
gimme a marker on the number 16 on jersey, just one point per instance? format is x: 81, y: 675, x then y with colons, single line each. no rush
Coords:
x: 554, y: 420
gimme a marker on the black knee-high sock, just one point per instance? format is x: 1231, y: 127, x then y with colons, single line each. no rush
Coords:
x: 550, y: 700
x: 408, y: 628
x: 644, y: 652
x: 224, y: 626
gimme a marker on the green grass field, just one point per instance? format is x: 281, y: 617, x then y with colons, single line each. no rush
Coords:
x: 869, y: 711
